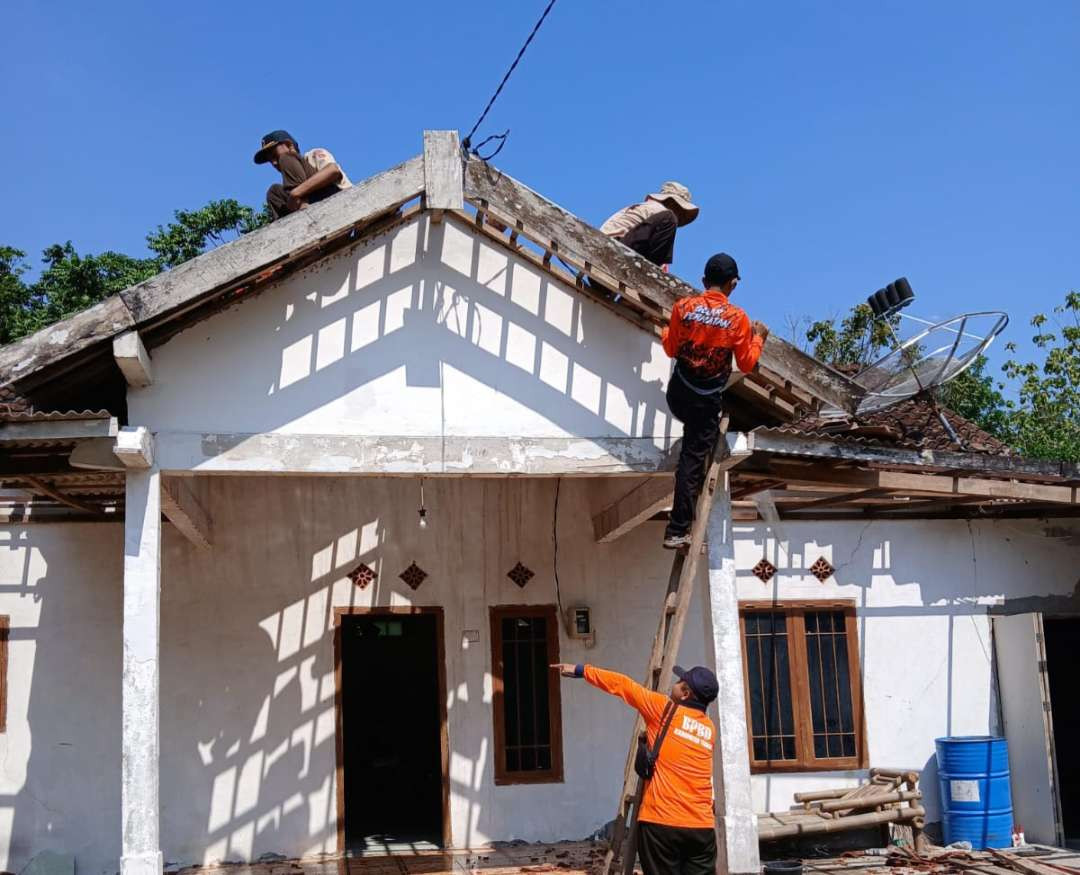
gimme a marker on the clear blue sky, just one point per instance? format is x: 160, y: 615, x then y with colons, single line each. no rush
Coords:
x: 833, y: 146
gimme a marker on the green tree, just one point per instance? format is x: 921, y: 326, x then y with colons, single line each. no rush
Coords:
x: 858, y: 340
x: 70, y: 282
x: 193, y: 231
x: 14, y: 294
x: 1037, y: 411
x: 976, y: 397
x: 1045, y: 418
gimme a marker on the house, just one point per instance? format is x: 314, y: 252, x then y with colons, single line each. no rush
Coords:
x: 291, y: 532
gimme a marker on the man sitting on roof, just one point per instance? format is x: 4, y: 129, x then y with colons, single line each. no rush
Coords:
x: 649, y: 227
x: 705, y: 331
x: 305, y: 179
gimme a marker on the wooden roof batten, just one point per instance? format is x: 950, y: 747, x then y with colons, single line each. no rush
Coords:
x: 652, y: 291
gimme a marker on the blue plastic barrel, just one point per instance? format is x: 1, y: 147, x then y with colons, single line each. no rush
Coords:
x: 976, y: 802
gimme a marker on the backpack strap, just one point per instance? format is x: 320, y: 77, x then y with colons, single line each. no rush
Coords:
x: 665, y: 723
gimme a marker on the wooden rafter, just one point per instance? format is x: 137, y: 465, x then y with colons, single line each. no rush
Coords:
x: 43, y: 488
x: 652, y: 287
x: 916, y: 484
x: 833, y: 499
x: 183, y: 508
x: 655, y: 494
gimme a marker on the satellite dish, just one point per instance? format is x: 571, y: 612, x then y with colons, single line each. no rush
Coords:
x: 931, y: 356
x: 928, y: 359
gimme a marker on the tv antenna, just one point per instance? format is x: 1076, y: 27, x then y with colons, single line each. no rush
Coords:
x: 929, y: 356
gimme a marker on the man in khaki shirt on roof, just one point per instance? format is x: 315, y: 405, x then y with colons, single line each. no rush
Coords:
x: 305, y: 178
x: 649, y: 227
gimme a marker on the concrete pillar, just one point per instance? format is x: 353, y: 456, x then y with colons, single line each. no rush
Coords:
x: 140, y: 843
x: 737, y: 840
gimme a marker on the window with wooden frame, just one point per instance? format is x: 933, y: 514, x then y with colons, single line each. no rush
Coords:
x: 527, y: 707
x: 803, y: 689
x: 5, y: 624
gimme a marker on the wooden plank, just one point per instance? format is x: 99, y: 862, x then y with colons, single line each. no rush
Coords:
x: 634, y: 316
x: 650, y: 282
x: 768, y: 440
x: 43, y: 488
x: 173, y: 289
x: 187, y: 282
x: 637, y: 506
x: 655, y: 494
x: 58, y: 430
x: 444, y: 185
x: 76, y: 334
x: 183, y: 509
x: 835, y: 498
x: 133, y: 359
x: 944, y: 484
x: 519, y: 229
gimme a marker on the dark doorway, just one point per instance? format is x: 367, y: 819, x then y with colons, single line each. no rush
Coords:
x: 1062, y: 665
x: 392, y: 729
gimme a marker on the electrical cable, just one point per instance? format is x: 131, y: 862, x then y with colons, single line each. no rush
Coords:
x: 466, y: 144
x: 555, y: 540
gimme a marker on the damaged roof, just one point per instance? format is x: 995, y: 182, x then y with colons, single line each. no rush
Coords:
x: 913, y: 423
x: 68, y: 364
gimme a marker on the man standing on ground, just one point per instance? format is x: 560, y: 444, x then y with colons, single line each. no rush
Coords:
x: 705, y: 331
x: 305, y: 179
x: 649, y: 227
x: 676, y: 823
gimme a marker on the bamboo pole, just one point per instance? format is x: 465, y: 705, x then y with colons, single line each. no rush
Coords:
x: 871, y: 801
x: 815, y: 795
x: 855, y: 821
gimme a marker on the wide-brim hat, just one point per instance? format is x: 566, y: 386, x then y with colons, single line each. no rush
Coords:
x: 269, y: 141
x: 676, y: 196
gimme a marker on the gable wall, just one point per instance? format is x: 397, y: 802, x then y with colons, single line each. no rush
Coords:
x: 426, y: 330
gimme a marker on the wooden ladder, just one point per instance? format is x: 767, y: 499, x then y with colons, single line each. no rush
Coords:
x: 665, y: 649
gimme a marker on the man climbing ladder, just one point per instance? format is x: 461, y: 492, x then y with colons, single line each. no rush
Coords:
x: 705, y: 331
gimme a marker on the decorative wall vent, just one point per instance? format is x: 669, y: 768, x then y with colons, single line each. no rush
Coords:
x: 821, y: 569
x: 414, y: 575
x: 362, y: 575
x: 764, y: 570
x: 520, y: 575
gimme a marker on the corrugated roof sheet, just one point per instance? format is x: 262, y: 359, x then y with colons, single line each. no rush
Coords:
x: 26, y: 415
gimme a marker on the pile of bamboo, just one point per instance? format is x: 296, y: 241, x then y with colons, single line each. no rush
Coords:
x: 890, y: 796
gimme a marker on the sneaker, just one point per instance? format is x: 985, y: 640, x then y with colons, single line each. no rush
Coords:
x: 676, y: 542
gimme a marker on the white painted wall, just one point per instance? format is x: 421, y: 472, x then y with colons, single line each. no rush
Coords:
x: 922, y: 591
x: 247, y: 687
x: 426, y: 330
x: 60, y: 753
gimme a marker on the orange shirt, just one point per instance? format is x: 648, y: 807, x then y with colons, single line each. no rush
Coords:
x: 680, y: 792
x: 704, y: 331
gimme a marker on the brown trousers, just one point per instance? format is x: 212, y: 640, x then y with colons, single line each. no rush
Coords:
x: 294, y: 170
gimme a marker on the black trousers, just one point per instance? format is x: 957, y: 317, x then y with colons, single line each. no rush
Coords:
x: 294, y: 170
x: 700, y: 416
x: 654, y: 238
x: 674, y: 850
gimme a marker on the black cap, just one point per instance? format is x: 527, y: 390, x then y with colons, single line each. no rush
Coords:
x: 701, y: 680
x: 719, y: 269
x: 269, y: 141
